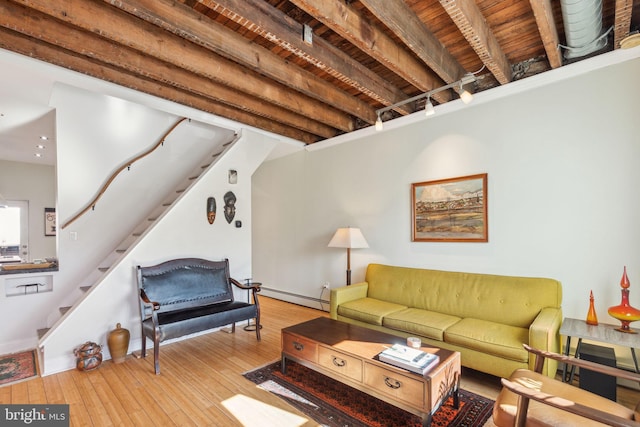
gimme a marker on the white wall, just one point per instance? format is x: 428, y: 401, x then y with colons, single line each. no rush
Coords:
x: 562, y: 164
x: 36, y: 184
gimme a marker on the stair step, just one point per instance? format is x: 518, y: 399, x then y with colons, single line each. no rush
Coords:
x: 63, y: 310
x: 180, y: 191
x: 121, y: 251
x: 42, y: 331
x: 137, y: 234
x: 205, y: 166
x: 167, y: 204
x: 85, y: 288
x: 152, y: 219
x: 103, y: 269
x: 191, y: 178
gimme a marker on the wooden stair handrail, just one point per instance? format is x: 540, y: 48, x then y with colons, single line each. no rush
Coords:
x: 120, y: 169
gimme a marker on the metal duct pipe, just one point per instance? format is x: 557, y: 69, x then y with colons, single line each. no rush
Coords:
x: 582, y: 27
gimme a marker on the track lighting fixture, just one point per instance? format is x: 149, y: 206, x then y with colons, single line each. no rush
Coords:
x: 429, y: 110
x: 379, y: 123
x: 465, y: 95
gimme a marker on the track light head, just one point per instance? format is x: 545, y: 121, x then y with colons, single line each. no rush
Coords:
x: 379, y: 123
x: 428, y: 108
x: 465, y: 95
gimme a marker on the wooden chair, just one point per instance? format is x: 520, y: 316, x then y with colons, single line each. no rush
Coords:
x: 529, y: 398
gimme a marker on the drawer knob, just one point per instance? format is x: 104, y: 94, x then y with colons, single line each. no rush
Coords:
x: 339, y: 362
x: 298, y: 346
x: 391, y: 383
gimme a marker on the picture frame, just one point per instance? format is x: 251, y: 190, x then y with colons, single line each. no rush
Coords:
x: 50, y: 221
x: 450, y: 210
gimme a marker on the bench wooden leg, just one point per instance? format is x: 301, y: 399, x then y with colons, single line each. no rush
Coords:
x: 143, y: 350
x: 258, y: 327
x: 156, y: 355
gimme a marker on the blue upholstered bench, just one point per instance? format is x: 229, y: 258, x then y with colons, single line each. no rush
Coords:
x: 184, y: 296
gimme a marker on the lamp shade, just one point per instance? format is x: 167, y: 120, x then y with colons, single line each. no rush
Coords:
x: 348, y: 238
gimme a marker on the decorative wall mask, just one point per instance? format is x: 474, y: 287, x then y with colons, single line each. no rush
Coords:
x: 211, y: 209
x: 229, y: 206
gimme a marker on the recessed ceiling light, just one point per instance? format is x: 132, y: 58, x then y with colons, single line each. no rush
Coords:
x: 38, y: 154
x: 40, y: 147
x: 44, y: 137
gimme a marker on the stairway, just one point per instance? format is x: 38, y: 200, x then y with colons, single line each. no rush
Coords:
x: 137, y: 234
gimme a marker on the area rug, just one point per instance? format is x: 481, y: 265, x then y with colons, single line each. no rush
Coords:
x: 333, y: 404
x: 18, y: 367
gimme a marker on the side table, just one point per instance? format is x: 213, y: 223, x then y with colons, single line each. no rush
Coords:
x: 601, y: 332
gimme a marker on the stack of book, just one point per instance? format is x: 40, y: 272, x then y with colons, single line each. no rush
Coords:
x: 411, y: 359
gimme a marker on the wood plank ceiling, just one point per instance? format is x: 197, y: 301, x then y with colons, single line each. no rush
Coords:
x: 246, y: 60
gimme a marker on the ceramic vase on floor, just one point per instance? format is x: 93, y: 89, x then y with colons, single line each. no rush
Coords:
x: 118, y: 343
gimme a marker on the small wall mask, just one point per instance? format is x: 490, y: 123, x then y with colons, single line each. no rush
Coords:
x: 229, y: 206
x: 211, y: 209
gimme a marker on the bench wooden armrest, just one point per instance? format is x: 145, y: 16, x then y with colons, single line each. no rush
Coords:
x: 252, y: 285
x: 145, y: 298
x: 565, y: 405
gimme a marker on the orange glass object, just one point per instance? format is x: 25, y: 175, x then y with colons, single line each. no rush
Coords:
x: 592, y: 319
x: 624, y: 312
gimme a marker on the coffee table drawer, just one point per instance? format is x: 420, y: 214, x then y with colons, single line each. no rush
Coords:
x: 394, y: 384
x: 341, y: 363
x: 299, y: 347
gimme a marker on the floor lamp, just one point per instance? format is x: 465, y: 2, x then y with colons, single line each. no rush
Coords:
x: 350, y: 238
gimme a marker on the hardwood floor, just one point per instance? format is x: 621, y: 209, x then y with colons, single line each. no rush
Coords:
x: 200, y: 384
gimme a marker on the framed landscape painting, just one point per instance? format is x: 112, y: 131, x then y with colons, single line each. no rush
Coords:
x: 450, y: 210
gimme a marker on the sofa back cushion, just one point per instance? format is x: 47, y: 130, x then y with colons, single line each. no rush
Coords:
x: 184, y: 283
x: 514, y: 301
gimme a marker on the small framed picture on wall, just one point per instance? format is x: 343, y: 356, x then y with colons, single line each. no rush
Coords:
x: 49, y: 221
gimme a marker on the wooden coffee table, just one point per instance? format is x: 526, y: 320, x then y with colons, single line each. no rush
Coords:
x: 348, y: 353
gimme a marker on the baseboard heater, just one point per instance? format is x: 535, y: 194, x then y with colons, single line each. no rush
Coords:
x: 291, y: 294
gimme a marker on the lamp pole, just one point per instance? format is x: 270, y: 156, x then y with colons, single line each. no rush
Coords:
x: 348, y: 266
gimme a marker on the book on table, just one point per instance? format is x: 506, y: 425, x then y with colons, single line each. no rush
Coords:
x: 411, y: 359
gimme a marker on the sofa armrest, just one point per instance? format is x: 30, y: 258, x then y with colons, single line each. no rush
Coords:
x: 544, y: 334
x: 346, y: 293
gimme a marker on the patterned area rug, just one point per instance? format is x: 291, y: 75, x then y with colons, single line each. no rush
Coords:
x: 334, y: 404
x: 18, y: 367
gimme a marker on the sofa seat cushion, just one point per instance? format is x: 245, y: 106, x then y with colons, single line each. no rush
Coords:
x: 489, y: 337
x: 184, y: 322
x: 425, y: 323
x: 368, y: 310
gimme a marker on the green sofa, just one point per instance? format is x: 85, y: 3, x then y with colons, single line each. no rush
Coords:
x: 485, y: 317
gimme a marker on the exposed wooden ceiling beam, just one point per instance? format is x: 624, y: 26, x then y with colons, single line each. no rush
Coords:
x: 351, y: 25
x: 123, y: 28
x: 469, y: 19
x: 185, y: 22
x: 404, y: 23
x: 38, y: 49
x: 548, y: 31
x: 622, y: 26
x: 272, y: 24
